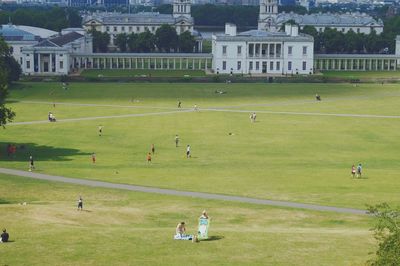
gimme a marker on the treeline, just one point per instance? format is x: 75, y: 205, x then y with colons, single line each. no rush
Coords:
x: 333, y: 41
x: 55, y: 18
x: 164, y: 40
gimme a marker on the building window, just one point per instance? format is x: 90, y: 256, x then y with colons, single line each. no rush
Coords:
x: 239, y: 65
x: 130, y: 28
x: 250, y: 65
x: 122, y: 28
x: 153, y: 28
x: 304, y: 50
x: 146, y: 28
x: 290, y: 50
x: 271, y: 65
x: 115, y: 28
x: 137, y: 28
x: 358, y: 30
x: 320, y: 29
x: 61, y: 64
x: 278, y: 66
x: 61, y: 54
x: 239, y: 50
x: 343, y: 29
x: 20, y: 60
x: 107, y: 28
x: 223, y: 65
x: 224, y: 50
x: 289, y: 65
x: 28, y: 64
x: 257, y: 65
x: 304, y: 65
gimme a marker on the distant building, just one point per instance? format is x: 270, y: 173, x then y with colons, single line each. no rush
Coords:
x: 115, y: 23
x: 18, y: 37
x: 53, y: 56
x: 271, y: 20
x: 262, y: 52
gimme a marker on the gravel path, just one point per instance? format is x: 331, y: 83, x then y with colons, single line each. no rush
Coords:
x: 201, y: 195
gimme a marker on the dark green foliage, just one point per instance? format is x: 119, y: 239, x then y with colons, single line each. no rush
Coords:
x: 387, y: 232
x: 145, y: 42
x: 166, y: 38
x: 100, y: 41
x: 186, y: 42
x: 9, y: 71
x: 121, y: 41
x: 55, y: 18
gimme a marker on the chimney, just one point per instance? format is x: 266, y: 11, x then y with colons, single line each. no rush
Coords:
x: 288, y: 29
x: 230, y: 29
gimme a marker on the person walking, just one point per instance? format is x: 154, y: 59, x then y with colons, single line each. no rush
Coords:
x: 80, y: 203
x: 153, y: 149
x: 188, y: 155
x: 93, y: 157
x: 176, y: 140
x: 149, y: 157
x: 359, y: 170
x: 353, y: 171
x: 31, y: 164
x: 179, y: 104
x: 100, y: 130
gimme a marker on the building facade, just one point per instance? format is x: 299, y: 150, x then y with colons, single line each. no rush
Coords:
x: 54, y: 56
x: 116, y: 23
x: 271, y: 20
x: 262, y: 52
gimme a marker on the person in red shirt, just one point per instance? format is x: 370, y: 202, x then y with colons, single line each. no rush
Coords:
x: 149, y: 157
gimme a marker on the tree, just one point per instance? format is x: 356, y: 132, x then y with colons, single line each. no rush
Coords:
x: 6, y: 114
x: 100, y: 41
x: 145, y: 41
x: 166, y: 38
x: 132, y: 42
x: 186, y: 42
x: 121, y: 41
x: 387, y: 232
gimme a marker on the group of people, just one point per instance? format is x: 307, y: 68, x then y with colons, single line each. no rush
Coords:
x: 51, y: 117
x: 180, y: 232
x: 357, y: 170
x: 253, y: 117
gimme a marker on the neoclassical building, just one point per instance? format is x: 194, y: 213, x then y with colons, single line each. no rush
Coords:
x: 271, y: 20
x: 116, y: 23
x: 55, y: 55
x: 263, y: 52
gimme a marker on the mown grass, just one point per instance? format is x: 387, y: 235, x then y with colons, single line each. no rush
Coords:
x: 130, y: 228
x: 283, y: 156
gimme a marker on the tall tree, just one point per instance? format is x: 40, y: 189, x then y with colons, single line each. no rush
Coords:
x: 100, y: 41
x: 6, y: 70
x: 166, y: 38
x: 186, y: 42
x: 146, y: 42
x: 387, y: 232
x: 121, y: 41
x: 132, y: 42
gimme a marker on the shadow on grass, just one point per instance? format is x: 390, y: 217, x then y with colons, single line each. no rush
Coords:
x: 213, y: 238
x: 39, y: 152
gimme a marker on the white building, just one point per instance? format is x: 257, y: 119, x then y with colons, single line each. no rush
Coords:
x: 115, y: 23
x: 18, y: 37
x: 53, y: 56
x: 270, y: 19
x: 262, y: 52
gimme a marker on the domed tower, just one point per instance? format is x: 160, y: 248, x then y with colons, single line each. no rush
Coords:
x: 181, y: 8
x: 268, y: 14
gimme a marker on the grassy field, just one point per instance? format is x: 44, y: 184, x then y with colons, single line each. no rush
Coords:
x: 362, y: 74
x: 126, y: 228
x: 141, y: 73
x: 298, y: 150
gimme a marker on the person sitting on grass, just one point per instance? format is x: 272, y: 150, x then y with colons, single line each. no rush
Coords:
x: 4, y: 236
x: 181, y: 232
x: 317, y: 97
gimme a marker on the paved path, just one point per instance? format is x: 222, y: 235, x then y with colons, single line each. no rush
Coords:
x: 98, y: 117
x: 201, y: 195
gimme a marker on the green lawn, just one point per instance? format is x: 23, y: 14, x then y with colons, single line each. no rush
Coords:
x: 283, y: 156
x: 94, y: 73
x: 130, y: 228
x: 362, y: 74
